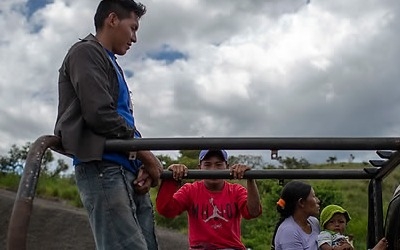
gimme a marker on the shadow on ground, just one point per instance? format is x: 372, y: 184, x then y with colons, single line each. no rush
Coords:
x: 55, y: 225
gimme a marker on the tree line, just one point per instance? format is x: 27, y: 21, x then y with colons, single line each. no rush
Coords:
x: 14, y: 161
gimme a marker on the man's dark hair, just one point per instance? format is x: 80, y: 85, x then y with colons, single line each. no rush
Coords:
x: 122, y: 8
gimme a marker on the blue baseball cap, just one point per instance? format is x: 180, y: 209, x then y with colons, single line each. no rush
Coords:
x: 203, y: 154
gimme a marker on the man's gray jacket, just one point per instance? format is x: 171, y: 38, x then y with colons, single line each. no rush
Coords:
x: 88, y: 97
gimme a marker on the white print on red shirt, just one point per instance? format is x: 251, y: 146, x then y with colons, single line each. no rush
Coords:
x: 215, y: 213
x: 206, y: 212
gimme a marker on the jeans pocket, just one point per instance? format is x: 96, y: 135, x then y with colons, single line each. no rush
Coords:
x: 111, y: 177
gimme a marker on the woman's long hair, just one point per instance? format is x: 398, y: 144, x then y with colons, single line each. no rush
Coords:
x: 291, y: 194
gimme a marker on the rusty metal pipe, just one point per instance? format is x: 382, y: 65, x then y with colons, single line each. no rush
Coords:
x: 22, y: 210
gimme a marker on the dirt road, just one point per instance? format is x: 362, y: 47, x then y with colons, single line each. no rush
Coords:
x: 55, y: 225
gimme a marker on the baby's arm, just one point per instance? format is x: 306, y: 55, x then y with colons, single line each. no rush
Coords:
x: 343, y: 246
x: 326, y: 246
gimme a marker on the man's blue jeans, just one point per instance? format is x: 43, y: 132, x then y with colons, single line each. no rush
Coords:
x: 119, y: 218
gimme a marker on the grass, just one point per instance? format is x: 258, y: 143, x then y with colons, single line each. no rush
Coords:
x: 9, y: 181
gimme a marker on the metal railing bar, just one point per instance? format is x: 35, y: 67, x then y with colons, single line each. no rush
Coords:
x: 262, y: 143
x: 389, y: 166
x: 282, y: 174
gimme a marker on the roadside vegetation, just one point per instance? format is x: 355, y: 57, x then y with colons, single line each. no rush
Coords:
x: 55, y: 184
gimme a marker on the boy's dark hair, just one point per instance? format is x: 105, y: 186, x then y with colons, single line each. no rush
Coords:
x: 122, y: 8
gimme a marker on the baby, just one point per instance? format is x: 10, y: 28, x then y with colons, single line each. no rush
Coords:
x: 334, y: 220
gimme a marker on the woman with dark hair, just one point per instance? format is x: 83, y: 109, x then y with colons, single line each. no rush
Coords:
x: 298, y: 227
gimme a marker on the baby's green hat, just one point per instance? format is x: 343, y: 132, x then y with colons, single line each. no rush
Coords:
x: 330, y: 210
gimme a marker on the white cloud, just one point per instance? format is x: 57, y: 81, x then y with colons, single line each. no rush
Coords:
x: 252, y: 68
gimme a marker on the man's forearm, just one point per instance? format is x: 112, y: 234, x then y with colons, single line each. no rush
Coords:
x: 253, y: 198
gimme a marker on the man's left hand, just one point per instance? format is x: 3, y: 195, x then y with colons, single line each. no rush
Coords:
x: 142, y: 183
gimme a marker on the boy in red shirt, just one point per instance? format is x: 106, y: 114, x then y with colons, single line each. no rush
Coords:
x: 214, y: 206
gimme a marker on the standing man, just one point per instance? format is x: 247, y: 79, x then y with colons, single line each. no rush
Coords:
x: 95, y: 105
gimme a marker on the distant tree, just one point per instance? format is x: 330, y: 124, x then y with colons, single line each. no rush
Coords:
x: 328, y: 193
x: 253, y: 161
x: 293, y: 163
x: 61, y: 167
x: 190, y: 158
x: 166, y: 160
x: 331, y: 159
x: 191, y: 154
x: 351, y: 158
x: 14, y: 162
x: 271, y: 166
x: 303, y: 163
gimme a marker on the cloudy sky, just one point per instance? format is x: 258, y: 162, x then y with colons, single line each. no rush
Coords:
x: 256, y: 68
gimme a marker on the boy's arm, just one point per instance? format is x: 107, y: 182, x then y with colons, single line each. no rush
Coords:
x: 164, y: 204
x: 167, y: 203
x: 253, y: 202
x: 253, y: 199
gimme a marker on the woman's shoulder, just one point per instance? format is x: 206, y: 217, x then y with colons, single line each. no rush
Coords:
x: 288, y: 225
x: 313, y: 220
x: 314, y: 224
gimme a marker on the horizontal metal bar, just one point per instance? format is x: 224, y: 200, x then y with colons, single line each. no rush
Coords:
x: 281, y: 174
x: 262, y: 143
x: 384, y: 154
x: 389, y: 166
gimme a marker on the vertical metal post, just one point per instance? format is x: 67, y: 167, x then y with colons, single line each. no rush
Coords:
x: 375, y: 213
x: 22, y: 210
